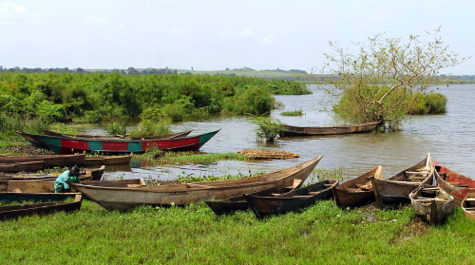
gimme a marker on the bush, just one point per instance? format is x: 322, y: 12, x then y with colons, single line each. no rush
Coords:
x: 117, y: 128
x: 268, y: 129
x: 431, y: 103
x: 150, y: 128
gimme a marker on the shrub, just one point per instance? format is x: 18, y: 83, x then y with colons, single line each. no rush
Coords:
x: 150, y: 128
x: 268, y: 129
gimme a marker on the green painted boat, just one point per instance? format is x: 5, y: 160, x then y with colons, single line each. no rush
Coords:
x: 67, y: 145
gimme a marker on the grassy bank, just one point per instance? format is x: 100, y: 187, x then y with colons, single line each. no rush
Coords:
x: 321, y: 234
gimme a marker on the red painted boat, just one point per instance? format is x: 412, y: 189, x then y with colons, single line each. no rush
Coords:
x: 67, y: 145
x: 165, y: 136
x: 454, y: 183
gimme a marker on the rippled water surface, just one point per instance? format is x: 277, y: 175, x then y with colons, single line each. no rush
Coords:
x: 448, y: 137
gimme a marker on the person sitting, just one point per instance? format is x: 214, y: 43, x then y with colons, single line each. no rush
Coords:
x: 72, y: 175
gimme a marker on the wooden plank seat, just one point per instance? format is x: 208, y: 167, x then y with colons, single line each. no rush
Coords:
x: 470, y: 209
x: 427, y: 199
x: 354, y: 190
x: 302, y: 196
x: 295, y: 184
x: 314, y: 192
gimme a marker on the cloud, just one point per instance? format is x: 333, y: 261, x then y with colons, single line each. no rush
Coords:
x: 96, y: 21
x: 9, y: 11
x: 122, y: 26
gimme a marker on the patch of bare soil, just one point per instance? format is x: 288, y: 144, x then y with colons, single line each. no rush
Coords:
x: 415, y: 228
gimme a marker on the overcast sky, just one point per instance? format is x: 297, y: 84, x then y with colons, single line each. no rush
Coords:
x: 216, y: 34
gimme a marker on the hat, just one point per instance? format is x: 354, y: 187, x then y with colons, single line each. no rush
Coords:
x: 74, y: 171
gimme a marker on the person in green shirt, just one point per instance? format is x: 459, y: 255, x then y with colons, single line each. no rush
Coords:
x: 71, y: 175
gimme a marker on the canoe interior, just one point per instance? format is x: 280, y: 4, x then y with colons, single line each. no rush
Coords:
x: 357, y: 191
x: 432, y: 203
x: 396, y: 189
x: 295, y: 200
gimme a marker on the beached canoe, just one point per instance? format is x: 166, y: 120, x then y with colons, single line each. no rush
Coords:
x: 295, y: 200
x: 107, y: 160
x: 47, y: 186
x: 87, y: 136
x: 468, y: 206
x: 357, y: 191
x: 29, y: 166
x: 67, y: 145
x: 21, y: 210
x: 49, y: 161
x: 396, y: 189
x: 454, y: 183
x: 186, y: 193
x: 239, y: 203
x: 36, y: 197
x: 432, y: 203
x: 291, y: 130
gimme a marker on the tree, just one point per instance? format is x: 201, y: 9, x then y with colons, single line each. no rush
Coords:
x: 379, y: 82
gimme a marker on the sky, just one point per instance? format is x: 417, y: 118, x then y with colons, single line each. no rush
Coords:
x: 218, y: 34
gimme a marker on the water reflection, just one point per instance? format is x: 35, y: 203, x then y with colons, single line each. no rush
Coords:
x: 447, y: 137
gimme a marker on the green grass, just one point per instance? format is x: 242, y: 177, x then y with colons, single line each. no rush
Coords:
x: 321, y: 234
x: 292, y: 113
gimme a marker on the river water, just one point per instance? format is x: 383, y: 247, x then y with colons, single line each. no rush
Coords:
x: 448, y: 137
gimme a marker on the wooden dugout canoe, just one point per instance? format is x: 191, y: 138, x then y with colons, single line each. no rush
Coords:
x: 28, y: 166
x: 49, y: 161
x: 396, y: 189
x: 43, y: 184
x: 239, y: 203
x: 357, y: 191
x: 186, y: 193
x: 87, y: 136
x: 67, y: 145
x: 432, y: 203
x: 35, y: 197
x: 47, y: 186
x: 86, y: 174
x: 107, y: 160
x: 454, y: 183
x: 295, y: 200
x: 468, y: 206
x: 290, y: 130
x: 21, y: 210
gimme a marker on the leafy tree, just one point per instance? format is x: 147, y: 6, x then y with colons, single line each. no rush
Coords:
x: 377, y: 83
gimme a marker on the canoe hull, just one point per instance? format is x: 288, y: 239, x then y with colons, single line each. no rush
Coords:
x: 239, y: 203
x: 468, y: 206
x: 65, y: 145
x: 293, y: 201
x: 161, y: 137
x: 107, y: 160
x: 454, y: 183
x: 290, y: 130
x: 14, y: 167
x: 396, y: 189
x: 433, y: 207
x: 48, y: 160
x: 186, y: 193
x: 22, y: 210
x: 348, y: 194
x: 35, y: 197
